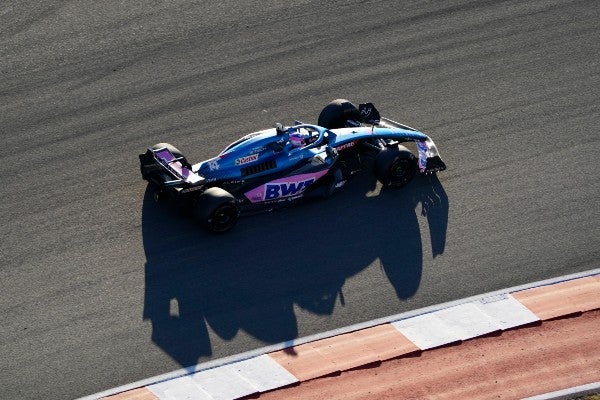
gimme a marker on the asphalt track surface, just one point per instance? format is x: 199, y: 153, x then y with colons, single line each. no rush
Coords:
x: 101, y: 287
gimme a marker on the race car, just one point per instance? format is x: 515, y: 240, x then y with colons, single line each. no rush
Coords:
x: 276, y: 167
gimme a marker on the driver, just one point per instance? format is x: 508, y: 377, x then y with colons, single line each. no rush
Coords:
x: 299, y: 138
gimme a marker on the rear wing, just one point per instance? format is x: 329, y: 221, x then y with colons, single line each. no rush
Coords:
x: 179, y: 172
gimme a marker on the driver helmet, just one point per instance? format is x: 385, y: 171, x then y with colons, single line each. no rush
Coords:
x: 297, y: 139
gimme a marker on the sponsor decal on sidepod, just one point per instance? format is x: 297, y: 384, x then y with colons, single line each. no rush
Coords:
x: 246, y: 160
x: 283, y: 187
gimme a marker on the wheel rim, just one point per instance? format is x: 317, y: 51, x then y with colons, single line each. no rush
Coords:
x: 224, y: 218
x: 400, y: 172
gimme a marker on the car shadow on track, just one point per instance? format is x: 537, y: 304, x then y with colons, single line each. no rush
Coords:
x: 251, y: 278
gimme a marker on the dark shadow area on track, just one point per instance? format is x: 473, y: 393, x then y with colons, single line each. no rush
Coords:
x: 251, y: 278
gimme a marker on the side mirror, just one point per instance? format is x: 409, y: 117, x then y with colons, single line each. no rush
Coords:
x: 280, y: 129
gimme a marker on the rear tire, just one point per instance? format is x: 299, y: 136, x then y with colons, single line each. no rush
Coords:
x: 216, y: 210
x: 160, y: 195
x: 337, y: 113
x: 395, y: 167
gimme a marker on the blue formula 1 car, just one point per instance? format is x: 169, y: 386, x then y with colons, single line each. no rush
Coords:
x: 275, y: 167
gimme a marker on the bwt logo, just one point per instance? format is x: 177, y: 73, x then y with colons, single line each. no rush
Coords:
x: 285, y: 189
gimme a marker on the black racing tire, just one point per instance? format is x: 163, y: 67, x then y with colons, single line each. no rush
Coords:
x: 336, y: 113
x: 395, y: 167
x: 160, y: 195
x: 216, y: 210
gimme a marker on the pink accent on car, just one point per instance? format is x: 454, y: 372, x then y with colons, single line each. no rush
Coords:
x: 176, y: 166
x: 423, y: 148
x: 283, y: 187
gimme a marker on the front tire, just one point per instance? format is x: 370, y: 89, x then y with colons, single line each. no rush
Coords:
x: 216, y: 210
x: 395, y: 167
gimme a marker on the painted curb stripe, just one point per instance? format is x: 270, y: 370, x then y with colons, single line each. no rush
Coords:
x: 136, y: 394
x: 264, y: 373
x: 468, y: 321
x: 182, y: 388
x: 506, y: 311
x: 223, y: 383
x: 344, y: 352
x: 563, y: 298
x: 465, y: 321
x: 243, y: 378
x: 385, y: 342
x: 427, y: 331
x: 304, y: 362
x: 347, y: 350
